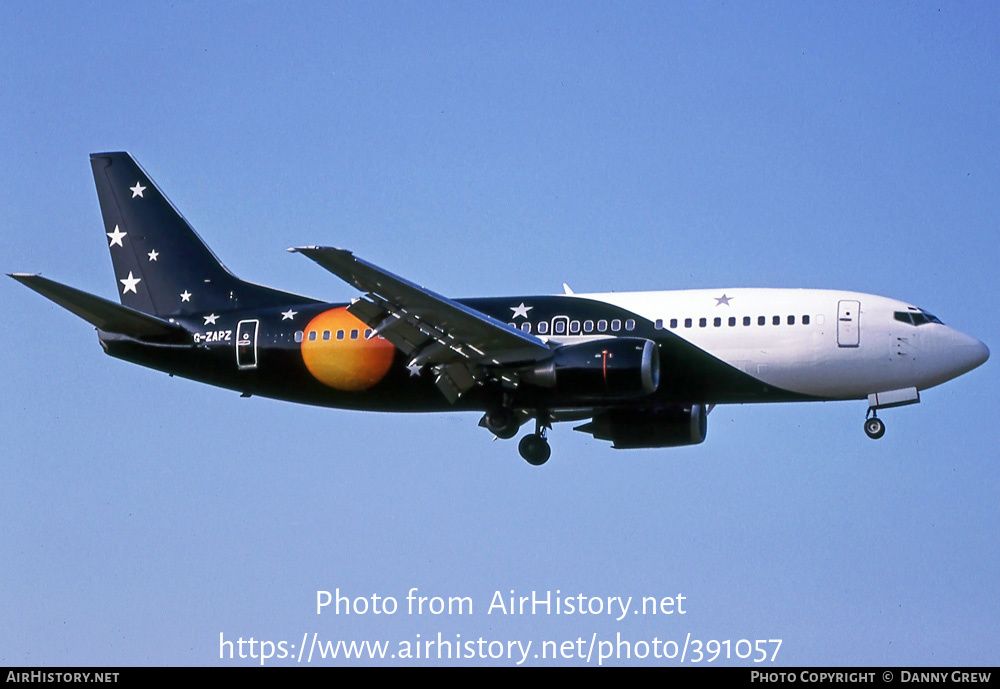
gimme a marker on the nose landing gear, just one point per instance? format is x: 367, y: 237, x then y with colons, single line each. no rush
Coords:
x: 874, y: 428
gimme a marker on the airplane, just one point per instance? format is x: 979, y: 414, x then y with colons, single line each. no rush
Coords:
x: 640, y: 369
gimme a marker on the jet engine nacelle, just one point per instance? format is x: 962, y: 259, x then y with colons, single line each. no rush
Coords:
x: 629, y: 429
x: 620, y: 367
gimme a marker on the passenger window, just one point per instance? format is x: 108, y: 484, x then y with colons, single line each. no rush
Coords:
x: 761, y: 320
x: 543, y: 328
x: 354, y: 334
x: 559, y: 327
x: 717, y: 322
x: 687, y: 322
x: 526, y: 327
x: 616, y: 325
x: 746, y: 320
x: 326, y: 334
x: 602, y: 325
x: 732, y: 321
x: 673, y: 322
x: 298, y: 336
x: 776, y: 320
x: 588, y: 326
x: 702, y: 322
x: 805, y: 320
x: 630, y: 324
x: 340, y: 335
x: 312, y: 335
x: 791, y: 320
x: 574, y: 327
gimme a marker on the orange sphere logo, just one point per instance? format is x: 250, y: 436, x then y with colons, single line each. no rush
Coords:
x: 336, y: 352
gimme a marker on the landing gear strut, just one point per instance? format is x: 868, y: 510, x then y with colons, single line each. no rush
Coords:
x: 534, y: 447
x: 874, y: 427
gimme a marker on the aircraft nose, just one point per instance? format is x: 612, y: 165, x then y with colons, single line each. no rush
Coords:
x: 967, y: 352
x: 980, y: 354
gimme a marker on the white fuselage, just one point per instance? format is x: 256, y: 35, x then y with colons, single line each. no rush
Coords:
x: 824, y: 343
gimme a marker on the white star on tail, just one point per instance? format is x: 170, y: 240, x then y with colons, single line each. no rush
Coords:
x: 137, y: 190
x: 288, y: 315
x: 521, y: 310
x: 210, y: 319
x: 116, y: 237
x: 414, y: 369
x: 130, y: 283
x: 153, y: 255
x: 185, y: 296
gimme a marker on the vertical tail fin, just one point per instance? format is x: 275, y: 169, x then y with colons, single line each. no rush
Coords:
x: 161, y: 265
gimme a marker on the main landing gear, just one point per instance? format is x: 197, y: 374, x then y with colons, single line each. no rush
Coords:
x: 534, y: 447
x: 874, y: 427
x: 504, y: 422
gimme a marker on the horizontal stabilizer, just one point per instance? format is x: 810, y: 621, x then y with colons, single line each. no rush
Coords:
x: 103, y: 314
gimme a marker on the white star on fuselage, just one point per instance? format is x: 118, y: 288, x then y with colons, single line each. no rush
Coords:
x: 719, y: 301
x: 137, y: 190
x: 210, y: 319
x: 153, y: 255
x: 130, y: 283
x: 185, y: 296
x: 288, y: 315
x: 414, y: 369
x: 521, y: 310
x: 116, y: 237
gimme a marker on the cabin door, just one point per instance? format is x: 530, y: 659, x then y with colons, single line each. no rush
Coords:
x: 848, y: 323
x: 246, y: 344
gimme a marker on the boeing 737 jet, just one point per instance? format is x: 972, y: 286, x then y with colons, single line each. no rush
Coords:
x: 639, y: 369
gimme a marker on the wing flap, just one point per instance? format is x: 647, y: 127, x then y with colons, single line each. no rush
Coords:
x: 390, y: 324
x: 456, y: 340
x: 434, y: 315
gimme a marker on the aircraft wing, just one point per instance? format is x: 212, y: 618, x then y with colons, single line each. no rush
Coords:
x: 455, y: 340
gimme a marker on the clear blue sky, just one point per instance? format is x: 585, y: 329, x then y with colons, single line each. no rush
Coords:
x: 500, y: 149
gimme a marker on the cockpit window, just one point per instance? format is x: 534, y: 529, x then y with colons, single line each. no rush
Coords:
x: 931, y: 318
x: 916, y: 317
